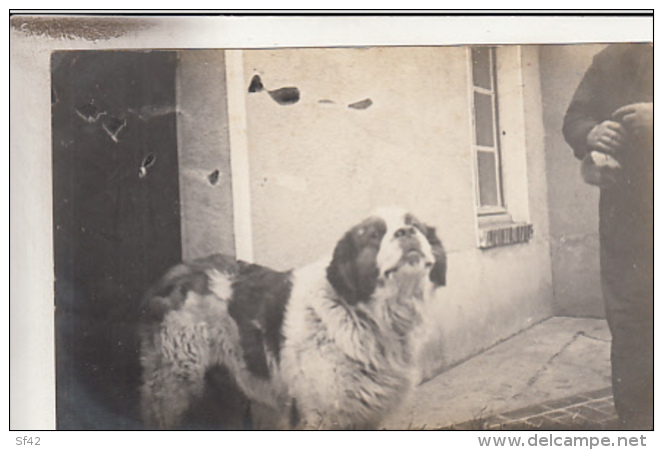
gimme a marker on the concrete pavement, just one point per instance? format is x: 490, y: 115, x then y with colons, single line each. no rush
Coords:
x: 555, y: 375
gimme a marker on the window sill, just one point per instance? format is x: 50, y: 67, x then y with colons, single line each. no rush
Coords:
x: 500, y: 233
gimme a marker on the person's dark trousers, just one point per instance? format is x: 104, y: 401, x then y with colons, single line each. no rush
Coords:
x: 627, y: 282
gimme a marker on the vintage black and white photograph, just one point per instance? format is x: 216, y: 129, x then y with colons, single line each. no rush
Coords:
x: 341, y: 237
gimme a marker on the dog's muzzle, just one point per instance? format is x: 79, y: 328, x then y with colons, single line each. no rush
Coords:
x: 413, y: 257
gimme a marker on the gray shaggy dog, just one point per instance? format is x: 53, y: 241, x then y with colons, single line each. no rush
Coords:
x: 232, y: 345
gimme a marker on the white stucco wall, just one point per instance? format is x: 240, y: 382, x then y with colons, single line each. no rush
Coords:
x: 573, y: 204
x: 318, y: 168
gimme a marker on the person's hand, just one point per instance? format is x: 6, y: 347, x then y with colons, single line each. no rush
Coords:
x: 606, y: 137
x: 638, y: 118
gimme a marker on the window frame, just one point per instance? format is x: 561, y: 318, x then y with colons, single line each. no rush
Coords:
x: 487, y: 211
x: 509, y: 223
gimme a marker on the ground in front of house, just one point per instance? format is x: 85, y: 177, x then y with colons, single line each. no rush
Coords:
x: 553, y: 376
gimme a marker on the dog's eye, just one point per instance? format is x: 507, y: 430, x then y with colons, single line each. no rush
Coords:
x: 399, y: 233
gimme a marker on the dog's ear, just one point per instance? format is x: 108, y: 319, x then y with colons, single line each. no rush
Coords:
x: 353, y: 271
x: 438, y: 273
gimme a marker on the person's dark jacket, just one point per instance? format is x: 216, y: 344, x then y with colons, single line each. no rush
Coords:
x: 619, y: 75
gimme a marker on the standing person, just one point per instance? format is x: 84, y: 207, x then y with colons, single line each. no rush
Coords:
x: 609, y: 125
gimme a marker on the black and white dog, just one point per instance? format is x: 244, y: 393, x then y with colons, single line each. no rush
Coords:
x: 326, y: 346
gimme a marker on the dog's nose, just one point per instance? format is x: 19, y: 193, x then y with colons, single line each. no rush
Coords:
x: 405, y: 231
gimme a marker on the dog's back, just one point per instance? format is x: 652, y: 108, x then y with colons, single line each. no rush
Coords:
x: 210, y: 336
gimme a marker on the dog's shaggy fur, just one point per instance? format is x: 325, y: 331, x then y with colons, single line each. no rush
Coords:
x: 327, y: 346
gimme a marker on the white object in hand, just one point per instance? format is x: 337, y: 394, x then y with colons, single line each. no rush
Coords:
x: 600, y: 169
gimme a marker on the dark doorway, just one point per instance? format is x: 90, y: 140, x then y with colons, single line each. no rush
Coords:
x: 116, y: 220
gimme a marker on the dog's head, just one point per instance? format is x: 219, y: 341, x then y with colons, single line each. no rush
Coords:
x: 391, y: 246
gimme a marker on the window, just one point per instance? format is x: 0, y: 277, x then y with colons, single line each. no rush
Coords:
x: 499, y: 129
x: 490, y: 199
